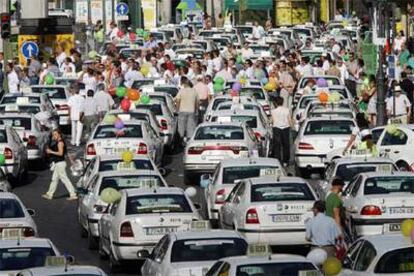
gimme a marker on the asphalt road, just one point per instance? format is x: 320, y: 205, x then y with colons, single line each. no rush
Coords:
x: 57, y: 219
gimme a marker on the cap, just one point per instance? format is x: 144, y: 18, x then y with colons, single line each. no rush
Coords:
x: 365, y: 133
x: 397, y: 88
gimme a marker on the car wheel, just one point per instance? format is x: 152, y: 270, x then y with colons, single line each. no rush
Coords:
x: 114, y: 266
x: 403, y: 166
x: 93, y: 242
x: 303, y: 172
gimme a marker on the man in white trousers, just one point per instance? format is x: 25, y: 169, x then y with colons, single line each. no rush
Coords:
x: 76, y: 112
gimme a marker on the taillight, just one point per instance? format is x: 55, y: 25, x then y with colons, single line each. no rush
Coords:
x: 99, y: 208
x: 251, y: 216
x: 31, y: 141
x: 62, y: 106
x: 199, y: 150
x: 371, y: 210
x: 90, y: 149
x: 220, y: 196
x: 411, y: 167
x: 164, y: 124
x: 305, y: 146
x: 195, y: 150
x: 266, y: 107
x: 8, y: 153
x: 126, y: 230
x: 28, y: 232
x: 142, y: 148
x: 258, y: 135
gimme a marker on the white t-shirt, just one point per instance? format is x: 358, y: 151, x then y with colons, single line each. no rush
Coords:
x: 103, y: 101
x: 61, y: 58
x: 13, y: 81
x: 77, y: 106
x: 280, y: 117
x: 401, y: 105
x: 132, y: 76
x: 89, y: 81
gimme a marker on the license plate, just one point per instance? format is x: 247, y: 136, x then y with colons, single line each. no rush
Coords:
x: 115, y: 150
x: 152, y: 231
x: 286, y: 218
x: 402, y: 210
x: 394, y: 227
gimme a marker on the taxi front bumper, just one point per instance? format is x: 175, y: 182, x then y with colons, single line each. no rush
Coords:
x: 310, y: 161
x: 64, y: 120
x: 128, y: 251
x: 282, y: 236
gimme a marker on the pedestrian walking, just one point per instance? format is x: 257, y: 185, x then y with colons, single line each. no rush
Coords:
x: 76, y: 105
x: 57, y: 154
x: 322, y: 231
x: 12, y: 79
x: 282, y: 123
x: 187, y: 101
x: 399, y: 107
x: 334, y: 203
x: 90, y: 114
x: 104, y: 103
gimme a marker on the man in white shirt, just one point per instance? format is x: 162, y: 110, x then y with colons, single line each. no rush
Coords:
x: 402, y: 106
x: 67, y: 64
x: 246, y: 51
x: 104, y: 103
x: 224, y: 73
x: 76, y: 105
x: 343, y: 69
x: 132, y: 75
x: 90, y: 113
x: 61, y: 55
x: 282, y: 122
x: 12, y: 79
x: 304, y: 68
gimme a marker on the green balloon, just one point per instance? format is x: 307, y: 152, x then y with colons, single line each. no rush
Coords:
x: 2, y: 159
x: 49, y: 79
x: 219, y: 80
x: 110, y: 195
x: 145, y: 99
x: 140, y: 32
x: 92, y: 54
x: 217, y: 87
x: 121, y: 91
x: 109, y: 119
x: 239, y: 59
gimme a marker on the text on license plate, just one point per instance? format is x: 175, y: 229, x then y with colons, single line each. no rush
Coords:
x: 115, y: 150
x: 286, y: 218
x: 152, y: 231
x: 402, y: 210
x: 393, y: 227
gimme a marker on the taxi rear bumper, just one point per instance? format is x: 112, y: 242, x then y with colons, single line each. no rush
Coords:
x: 199, y: 167
x: 128, y: 251
x: 311, y: 161
x: 373, y: 226
x: 281, y: 236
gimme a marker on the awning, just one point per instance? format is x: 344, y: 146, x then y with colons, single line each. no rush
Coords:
x: 251, y: 4
x: 188, y: 5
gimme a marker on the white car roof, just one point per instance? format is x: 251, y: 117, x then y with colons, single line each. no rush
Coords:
x: 241, y: 112
x: 361, y: 159
x: 250, y: 161
x: 129, y: 122
x: 380, y: 174
x: 207, y: 124
x: 274, y: 258
x: 387, y: 242
x: 158, y: 190
x: 330, y: 118
x: 56, y: 270
x: 30, y: 242
x: 8, y: 195
x: 23, y: 95
x: 107, y: 157
x: 208, y: 234
x: 272, y: 179
x: 128, y: 173
x: 50, y: 86
x: 16, y: 115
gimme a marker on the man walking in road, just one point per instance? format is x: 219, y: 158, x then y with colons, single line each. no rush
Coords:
x: 282, y: 122
x: 76, y: 105
x: 334, y: 203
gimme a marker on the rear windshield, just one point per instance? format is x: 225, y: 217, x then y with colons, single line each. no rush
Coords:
x: 256, y: 93
x: 280, y: 192
x: 156, y: 108
x: 219, y: 101
x: 13, y: 99
x: 173, y: 91
x: 131, y: 181
x: 396, y: 261
x: 159, y: 98
x: 112, y: 165
x: 386, y: 185
x: 52, y: 92
x: 107, y: 131
x: 19, y: 258
x: 305, y: 101
x: 348, y: 171
x: 138, y: 83
x: 10, y: 208
x: 25, y: 123
x: 157, y: 203
x: 331, y: 81
x: 131, y: 52
x: 329, y: 127
x: 275, y: 269
x: 219, y: 133
x: 230, y: 174
x: 198, y: 250
x: 250, y: 121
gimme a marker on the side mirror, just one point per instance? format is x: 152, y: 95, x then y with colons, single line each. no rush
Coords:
x: 143, y: 254
x: 205, y: 180
x: 186, y: 139
x: 197, y: 206
x: 82, y: 191
x: 262, y: 138
x: 31, y: 212
x: 70, y: 259
x: 297, y: 117
x: 191, y: 191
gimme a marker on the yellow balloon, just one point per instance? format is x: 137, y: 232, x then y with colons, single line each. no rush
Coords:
x: 391, y: 129
x: 407, y: 227
x: 334, y: 97
x: 110, y: 195
x: 145, y: 69
x: 127, y: 156
x: 243, y: 81
x: 332, y: 266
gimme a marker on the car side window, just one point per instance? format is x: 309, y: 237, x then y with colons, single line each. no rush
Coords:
x: 399, y: 138
x: 161, y: 249
x: 214, y: 269
x: 352, y: 254
x: 90, y: 167
x: 233, y: 192
x: 224, y: 270
x: 251, y: 134
x: 355, y: 188
x: 239, y: 193
x: 367, y: 253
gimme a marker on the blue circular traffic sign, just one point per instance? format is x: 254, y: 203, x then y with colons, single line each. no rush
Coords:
x: 122, y: 9
x: 29, y: 49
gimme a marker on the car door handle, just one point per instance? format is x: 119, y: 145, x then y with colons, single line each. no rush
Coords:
x: 397, y: 151
x: 387, y: 150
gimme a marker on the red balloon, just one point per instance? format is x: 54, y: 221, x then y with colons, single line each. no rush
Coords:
x: 125, y: 105
x: 234, y: 93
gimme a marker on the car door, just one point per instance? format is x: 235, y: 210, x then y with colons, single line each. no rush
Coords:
x: 107, y: 224
x: 157, y: 263
x: 350, y: 258
x: 349, y: 199
x: 366, y: 255
x: 86, y: 199
x: 394, y: 145
x: 229, y: 205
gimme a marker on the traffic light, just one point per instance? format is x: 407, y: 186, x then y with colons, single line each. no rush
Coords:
x: 5, y: 25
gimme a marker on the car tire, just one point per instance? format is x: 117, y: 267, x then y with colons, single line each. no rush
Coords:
x: 303, y: 172
x: 403, y: 166
x: 93, y: 242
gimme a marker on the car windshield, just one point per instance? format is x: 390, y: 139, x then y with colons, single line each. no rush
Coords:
x: 256, y: 93
x: 173, y: 91
x: 138, y: 83
x: 156, y: 108
x: 157, y: 203
x: 280, y: 192
x: 198, y: 250
x: 21, y: 258
x: 158, y: 36
x: 219, y: 133
x: 131, y: 53
x: 274, y: 269
x: 52, y: 92
x: 230, y: 174
x: 10, y: 208
x: 396, y: 261
x: 348, y: 171
x: 109, y: 131
x: 331, y: 81
x: 306, y: 100
x: 386, y: 185
x: 250, y: 121
x: 329, y: 127
x: 24, y: 123
x: 14, y: 99
x: 130, y: 181
x: 112, y: 165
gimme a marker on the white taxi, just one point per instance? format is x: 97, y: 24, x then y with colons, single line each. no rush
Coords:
x: 228, y: 173
x: 251, y: 118
x: 257, y: 93
x: 13, y: 214
x: 316, y: 138
x: 268, y: 209
x: 243, y: 106
x: 213, y: 142
x: 141, y: 218
x: 192, y: 253
x: 91, y: 207
x: 17, y: 253
x: 218, y: 99
x: 73, y: 270
x: 376, y: 200
x: 137, y: 136
x: 385, y: 254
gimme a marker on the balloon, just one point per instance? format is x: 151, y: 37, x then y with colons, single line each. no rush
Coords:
x: 110, y: 195
x: 109, y: 119
x: 125, y: 105
x: 239, y: 59
x: 2, y: 159
x: 49, y: 79
x: 145, y: 99
x: 412, y: 235
x: 133, y: 95
x: 407, y: 226
x: 318, y: 256
x: 243, y: 81
x: 219, y: 80
x: 236, y: 86
x: 334, y: 97
x: 271, y: 86
x: 92, y: 54
x: 140, y: 32
x: 218, y: 87
x: 127, y: 156
x: 366, y: 81
x: 234, y: 93
x: 121, y: 91
x: 264, y: 81
x: 332, y: 266
x: 112, y: 90
x: 323, y: 97
x: 321, y: 83
x: 391, y: 129
x: 145, y: 70
x: 119, y: 124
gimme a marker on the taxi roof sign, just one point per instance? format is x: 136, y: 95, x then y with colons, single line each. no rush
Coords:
x: 309, y: 273
x: 200, y: 225
x: 55, y: 261
x: 124, y: 166
x: 124, y: 117
x: 11, y: 108
x: 259, y: 250
x: 22, y: 100
x: 12, y: 234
